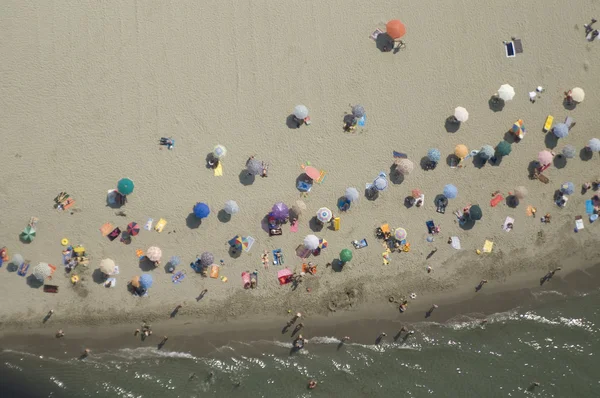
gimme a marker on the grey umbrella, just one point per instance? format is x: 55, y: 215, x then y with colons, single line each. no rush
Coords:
x: 569, y: 151
x: 207, y: 259
x: 486, y: 152
x: 358, y: 111
x: 254, y: 167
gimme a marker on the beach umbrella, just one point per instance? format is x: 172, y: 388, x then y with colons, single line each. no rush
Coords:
x: 561, y: 130
x: 569, y: 151
x: 42, y: 271
x: 154, y: 253
x: 345, y: 255
x: 518, y: 128
x: 207, y: 258
x: 461, y: 151
x: 506, y: 92
x: 434, y: 155
x: 400, y: 234
x: 358, y: 111
x: 395, y: 29
x: 219, y: 151
x: 231, y: 207
x: 381, y: 182
x: 125, y: 186
x: 133, y: 228
x: 311, y: 242
x: 135, y: 281
x: 312, y: 172
x: 352, y: 194
x: 28, y: 234
x: 577, y: 94
x: 521, y: 192
x: 486, y: 152
x: 324, y: 214
x: 545, y: 157
x: 567, y: 188
x: 175, y: 261
x: 17, y: 260
x: 301, y: 205
x: 239, y: 242
x: 322, y: 244
x: 254, y: 167
x: 461, y: 114
x: 475, y: 213
x: 146, y: 281
x: 404, y: 166
x: 504, y: 148
x: 107, y: 266
x: 450, y: 191
x: 301, y: 112
x: 416, y: 193
x: 594, y: 144
x: 201, y: 210
x: 280, y: 211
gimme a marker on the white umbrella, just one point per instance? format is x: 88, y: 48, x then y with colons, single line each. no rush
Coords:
x: 107, y: 266
x: 404, y: 166
x: 231, y: 207
x: 324, y: 214
x: 17, y: 260
x: 42, y: 271
x: 219, y: 151
x: 154, y: 253
x: 352, y: 194
x: 301, y: 205
x: 594, y: 144
x: 521, y: 192
x: 461, y: 114
x: 506, y: 92
x: 301, y: 112
x: 311, y: 242
x: 577, y: 94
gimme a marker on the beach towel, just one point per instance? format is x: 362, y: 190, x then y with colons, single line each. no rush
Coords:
x: 399, y: 155
x: 114, y: 234
x: 250, y: 241
x: 496, y: 199
x: 360, y: 244
x: 277, y: 260
x: 294, y: 226
x: 578, y: 223
x: 110, y: 282
x: 214, y: 271
x: 362, y: 121
x: 508, y: 220
x: 106, y: 228
x: 218, y: 171
x: 254, y: 279
x: 23, y: 268
x: 246, y: 279
x: 116, y: 271
x: 111, y: 197
x: 589, y: 207
x: 160, y: 225
x: 488, y: 246
x: 178, y: 277
x: 148, y: 225
x: 530, y: 210
x: 455, y: 242
x: 430, y: 226
x: 386, y: 257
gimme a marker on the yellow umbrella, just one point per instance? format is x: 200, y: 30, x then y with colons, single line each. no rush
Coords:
x: 461, y: 151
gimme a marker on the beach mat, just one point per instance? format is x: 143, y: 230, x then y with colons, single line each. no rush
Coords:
x: 589, y: 207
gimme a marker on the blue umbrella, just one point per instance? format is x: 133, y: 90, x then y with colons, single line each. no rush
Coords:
x: 567, y: 188
x: 569, y: 151
x: 450, y: 191
x: 486, y: 152
x: 146, y: 281
x: 381, y: 182
x: 561, y: 130
x: 434, y: 155
x: 201, y: 210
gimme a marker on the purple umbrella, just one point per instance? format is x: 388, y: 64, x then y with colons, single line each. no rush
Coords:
x: 280, y: 211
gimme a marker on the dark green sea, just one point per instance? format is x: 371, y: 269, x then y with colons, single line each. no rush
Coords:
x: 557, y: 345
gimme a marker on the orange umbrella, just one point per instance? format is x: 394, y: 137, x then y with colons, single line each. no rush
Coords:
x: 135, y: 282
x: 312, y: 172
x: 395, y: 29
x: 461, y: 151
x: 416, y: 193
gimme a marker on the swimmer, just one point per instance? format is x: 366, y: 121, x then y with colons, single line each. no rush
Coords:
x: 312, y: 384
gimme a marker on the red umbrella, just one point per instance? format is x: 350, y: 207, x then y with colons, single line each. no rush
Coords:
x: 416, y: 193
x: 133, y: 229
x: 395, y: 29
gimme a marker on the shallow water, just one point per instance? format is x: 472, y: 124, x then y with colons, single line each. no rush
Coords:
x: 556, y: 344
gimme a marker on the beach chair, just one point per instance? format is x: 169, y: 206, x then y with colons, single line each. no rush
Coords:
x: 496, y: 199
x: 321, y: 178
x: 518, y: 45
x: 509, y: 47
x: 548, y: 124
x: 360, y: 244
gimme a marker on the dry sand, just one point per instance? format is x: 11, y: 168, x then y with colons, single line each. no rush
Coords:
x: 88, y: 89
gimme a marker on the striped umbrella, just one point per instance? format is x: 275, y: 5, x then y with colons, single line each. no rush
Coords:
x: 400, y: 234
x: 133, y: 228
x: 324, y: 214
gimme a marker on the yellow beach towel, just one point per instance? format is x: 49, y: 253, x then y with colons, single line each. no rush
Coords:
x: 219, y: 170
x: 160, y: 225
x: 488, y: 246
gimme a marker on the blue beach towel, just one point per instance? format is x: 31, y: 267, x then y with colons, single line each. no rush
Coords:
x: 178, y: 277
x: 589, y: 207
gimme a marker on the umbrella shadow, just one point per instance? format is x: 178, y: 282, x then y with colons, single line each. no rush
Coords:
x: 509, y: 137
x: 452, y: 160
x: 371, y: 194
x: 12, y: 267
x: 496, y: 104
x: 246, y: 178
x: 234, y: 252
x: 98, y: 276
x: 315, y: 225
x: 337, y: 265
x: 23, y: 240
x: 560, y: 161
x: 34, y: 282
x: 468, y: 224
x: 512, y: 201
x: 264, y: 223
x: 550, y: 140
x: 146, y: 265
x: 585, y: 154
x: 532, y: 167
x: 384, y: 43
x: 292, y: 122
x: 479, y: 162
x: 569, y: 105
x: 409, y: 202
x: 437, y: 199
x: 211, y: 161
x: 192, y: 221
x: 395, y: 176
x: 427, y: 164
x: 223, y: 216
x: 451, y: 125
x: 303, y: 177
x: 496, y: 160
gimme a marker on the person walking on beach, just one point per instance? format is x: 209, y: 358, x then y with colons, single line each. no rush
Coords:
x: 428, y: 313
x: 201, y: 295
x: 481, y: 283
x: 380, y: 337
x: 59, y: 334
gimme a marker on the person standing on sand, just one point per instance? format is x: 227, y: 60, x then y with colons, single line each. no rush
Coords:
x: 344, y: 339
x: 59, y: 333
x: 481, y: 283
x: 380, y: 337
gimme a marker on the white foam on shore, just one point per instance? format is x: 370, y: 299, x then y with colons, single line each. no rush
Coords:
x: 150, y: 352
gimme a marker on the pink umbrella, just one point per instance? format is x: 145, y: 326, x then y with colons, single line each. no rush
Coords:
x: 284, y: 276
x: 312, y: 172
x: 545, y: 157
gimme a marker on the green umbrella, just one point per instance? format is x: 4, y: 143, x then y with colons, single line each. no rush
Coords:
x: 504, y: 148
x: 28, y: 234
x: 125, y: 186
x: 475, y: 213
x: 345, y: 255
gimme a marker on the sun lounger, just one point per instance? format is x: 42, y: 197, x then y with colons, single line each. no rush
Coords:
x: 496, y: 199
x: 506, y: 227
x: 23, y: 268
x: 509, y: 46
x: 548, y: 123
x: 277, y: 257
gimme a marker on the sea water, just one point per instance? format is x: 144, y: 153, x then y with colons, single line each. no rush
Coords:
x: 556, y: 345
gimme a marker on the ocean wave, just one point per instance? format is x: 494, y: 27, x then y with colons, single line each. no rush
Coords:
x: 151, y: 352
x: 569, y: 322
x: 324, y: 340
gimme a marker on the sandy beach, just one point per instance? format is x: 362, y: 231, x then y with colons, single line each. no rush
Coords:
x: 89, y: 89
